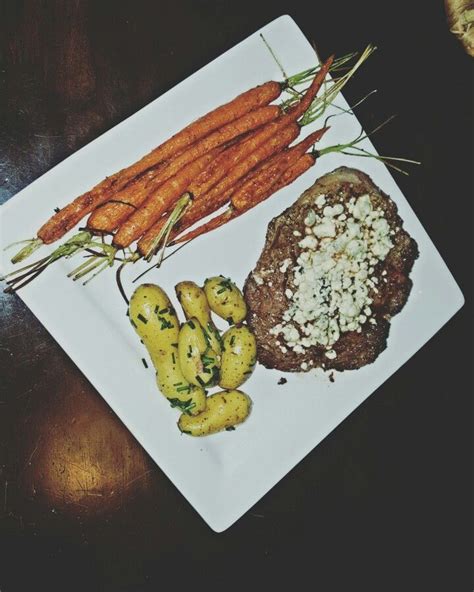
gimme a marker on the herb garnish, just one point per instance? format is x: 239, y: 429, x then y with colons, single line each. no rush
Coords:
x: 182, y: 389
x: 185, y: 406
x: 165, y: 324
x: 144, y: 363
x: 200, y: 380
x: 141, y: 318
x: 226, y: 284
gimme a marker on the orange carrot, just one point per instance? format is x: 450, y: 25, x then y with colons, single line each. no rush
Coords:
x: 144, y: 219
x: 71, y: 214
x: 303, y: 164
x: 113, y: 213
x: 106, y: 217
x: 258, y: 184
x: 260, y: 181
x: 163, y: 200
x: 218, y: 194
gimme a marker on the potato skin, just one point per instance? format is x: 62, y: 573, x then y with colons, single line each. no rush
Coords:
x: 199, y: 363
x: 189, y: 398
x: 154, y: 318
x: 194, y: 303
x: 155, y: 321
x: 225, y: 299
x: 238, y: 357
x: 224, y: 410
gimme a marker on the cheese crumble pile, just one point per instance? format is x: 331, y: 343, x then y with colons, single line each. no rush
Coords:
x: 334, y: 273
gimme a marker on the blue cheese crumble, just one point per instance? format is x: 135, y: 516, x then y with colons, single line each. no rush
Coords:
x: 334, y: 274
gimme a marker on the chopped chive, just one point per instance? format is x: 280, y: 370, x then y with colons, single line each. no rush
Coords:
x: 232, y: 340
x: 173, y: 357
x: 206, y: 337
x: 200, y: 380
x: 182, y: 389
x: 56, y: 209
x: 133, y: 323
x: 156, y: 309
x: 165, y: 324
x: 230, y: 429
x: 163, y: 311
x: 177, y: 383
x: 213, y: 329
x: 226, y: 284
x: 191, y: 324
x: 144, y: 363
x: 185, y: 406
x: 141, y: 318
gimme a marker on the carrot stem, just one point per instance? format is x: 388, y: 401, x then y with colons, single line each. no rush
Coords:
x: 32, y: 245
x: 165, y: 231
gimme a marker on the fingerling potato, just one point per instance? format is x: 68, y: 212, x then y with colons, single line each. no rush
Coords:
x: 155, y: 321
x: 189, y: 398
x: 198, y: 362
x: 153, y: 317
x: 194, y: 303
x: 225, y: 299
x: 224, y: 410
x: 238, y: 357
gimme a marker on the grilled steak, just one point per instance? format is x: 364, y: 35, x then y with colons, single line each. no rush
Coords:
x: 269, y: 287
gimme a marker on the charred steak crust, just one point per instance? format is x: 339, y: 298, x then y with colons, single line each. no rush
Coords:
x: 267, y: 301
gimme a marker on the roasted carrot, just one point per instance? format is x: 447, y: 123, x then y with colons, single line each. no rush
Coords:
x: 260, y: 182
x: 267, y: 173
x: 247, y: 101
x: 106, y: 217
x: 303, y: 164
x: 168, y: 193
x: 257, y: 182
x: 113, y: 213
x: 217, y: 195
x: 221, y: 166
x: 68, y: 216
x: 144, y: 219
x: 164, y: 199
x: 71, y: 214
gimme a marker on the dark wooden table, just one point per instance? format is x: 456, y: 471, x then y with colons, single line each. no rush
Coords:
x: 384, y: 502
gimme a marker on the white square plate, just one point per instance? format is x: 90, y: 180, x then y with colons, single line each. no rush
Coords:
x: 222, y: 476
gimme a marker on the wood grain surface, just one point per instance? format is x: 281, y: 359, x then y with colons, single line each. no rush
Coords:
x: 383, y: 502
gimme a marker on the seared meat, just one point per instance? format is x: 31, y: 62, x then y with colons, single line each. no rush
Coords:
x: 266, y: 285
